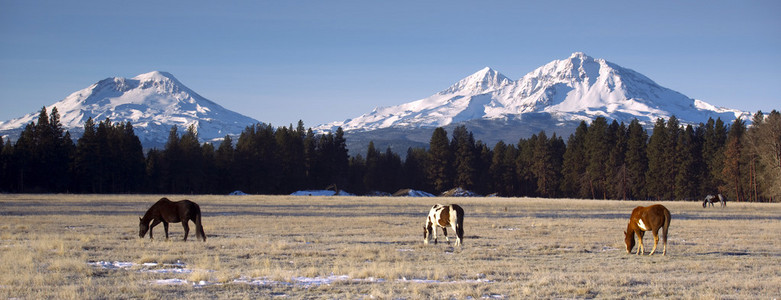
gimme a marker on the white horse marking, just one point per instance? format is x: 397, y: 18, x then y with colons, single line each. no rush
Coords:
x: 641, y: 225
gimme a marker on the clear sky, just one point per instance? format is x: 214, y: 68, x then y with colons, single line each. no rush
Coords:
x: 324, y: 61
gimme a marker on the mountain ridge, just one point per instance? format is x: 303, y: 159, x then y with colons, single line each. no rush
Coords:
x: 153, y: 102
x: 578, y: 88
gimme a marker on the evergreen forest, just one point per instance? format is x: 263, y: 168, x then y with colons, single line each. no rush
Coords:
x: 601, y: 160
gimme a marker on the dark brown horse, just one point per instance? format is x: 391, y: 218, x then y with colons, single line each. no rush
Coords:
x: 644, y: 219
x: 444, y: 215
x: 166, y: 211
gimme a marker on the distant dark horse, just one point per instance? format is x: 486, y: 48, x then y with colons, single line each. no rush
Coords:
x: 166, y: 211
x: 643, y: 219
x: 709, y: 200
x: 444, y: 215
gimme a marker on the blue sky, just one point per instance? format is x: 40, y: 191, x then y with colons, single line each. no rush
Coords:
x: 324, y: 61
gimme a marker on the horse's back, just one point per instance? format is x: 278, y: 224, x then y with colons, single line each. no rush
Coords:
x: 458, y: 209
x: 188, y: 209
x: 656, y: 213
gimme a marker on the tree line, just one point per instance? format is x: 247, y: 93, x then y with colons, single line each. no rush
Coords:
x: 601, y: 160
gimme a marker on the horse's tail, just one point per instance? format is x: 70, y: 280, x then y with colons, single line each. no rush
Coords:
x: 459, y: 222
x: 198, y: 225
x: 667, y: 218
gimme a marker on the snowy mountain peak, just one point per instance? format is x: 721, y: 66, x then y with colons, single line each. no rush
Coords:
x: 578, y: 88
x: 155, y: 76
x: 481, y: 81
x: 153, y: 102
x: 580, y: 55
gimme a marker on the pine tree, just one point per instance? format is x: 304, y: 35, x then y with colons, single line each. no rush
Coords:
x: 415, y: 169
x: 440, y: 159
x: 310, y: 159
x: 131, y: 155
x: 734, y: 164
x: 686, y: 161
x: 658, y: 166
x: 483, y: 184
x: 86, y: 164
x: 523, y: 167
x: 503, y: 170
x: 173, y: 163
x: 390, y: 164
x: 4, y: 165
x: 225, y: 166
x: 597, y: 152
x: 340, y: 158
x: 290, y: 145
x: 765, y: 145
x: 574, y: 166
x: 374, y: 174
x: 465, y: 158
x: 543, y: 166
x: 714, y: 140
x: 190, y: 172
x: 616, y: 167
x: 357, y: 173
x: 209, y: 169
x: 636, y: 159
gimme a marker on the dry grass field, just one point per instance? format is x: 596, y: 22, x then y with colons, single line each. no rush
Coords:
x: 87, y: 246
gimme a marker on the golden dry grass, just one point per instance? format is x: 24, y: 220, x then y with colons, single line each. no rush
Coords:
x: 358, y: 247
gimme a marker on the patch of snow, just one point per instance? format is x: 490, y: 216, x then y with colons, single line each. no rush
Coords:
x: 459, y: 192
x: 150, y: 267
x: 112, y: 264
x: 412, y: 193
x: 320, y: 193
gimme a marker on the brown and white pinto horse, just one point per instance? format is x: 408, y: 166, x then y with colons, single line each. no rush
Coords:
x: 644, y: 219
x: 166, y: 211
x: 444, y: 215
x: 709, y: 200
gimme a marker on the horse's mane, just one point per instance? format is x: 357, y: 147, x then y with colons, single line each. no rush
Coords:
x: 149, y: 215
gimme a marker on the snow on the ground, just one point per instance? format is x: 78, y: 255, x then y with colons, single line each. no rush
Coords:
x: 167, y: 268
x: 300, y: 281
x: 320, y: 193
x: 412, y: 193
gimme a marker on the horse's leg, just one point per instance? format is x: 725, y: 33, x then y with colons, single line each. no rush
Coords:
x: 458, y: 238
x: 444, y: 231
x: 656, y: 240
x: 641, y: 249
x: 426, y: 232
x: 186, y: 225
x: 165, y: 226
x: 199, y: 229
x: 154, y: 223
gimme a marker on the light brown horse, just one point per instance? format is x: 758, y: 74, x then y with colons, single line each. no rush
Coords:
x: 444, y: 215
x: 644, y: 219
x: 166, y: 211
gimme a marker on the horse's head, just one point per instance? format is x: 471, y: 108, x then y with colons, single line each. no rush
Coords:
x: 425, y: 234
x: 143, y: 227
x: 629, y: 240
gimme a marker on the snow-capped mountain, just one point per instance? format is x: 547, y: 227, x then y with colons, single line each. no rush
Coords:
x: 152, y: 102
x: 562, y: 91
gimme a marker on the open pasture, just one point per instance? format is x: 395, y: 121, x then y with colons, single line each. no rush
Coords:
x: 87, y: 246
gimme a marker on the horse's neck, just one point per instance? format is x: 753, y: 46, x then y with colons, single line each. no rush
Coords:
x: 148, y: 216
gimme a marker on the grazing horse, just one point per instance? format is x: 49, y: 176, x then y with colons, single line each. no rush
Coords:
x: 644, y: 219
x: 167, y: 211
x: 444, y: 215
x: 709, y: 200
